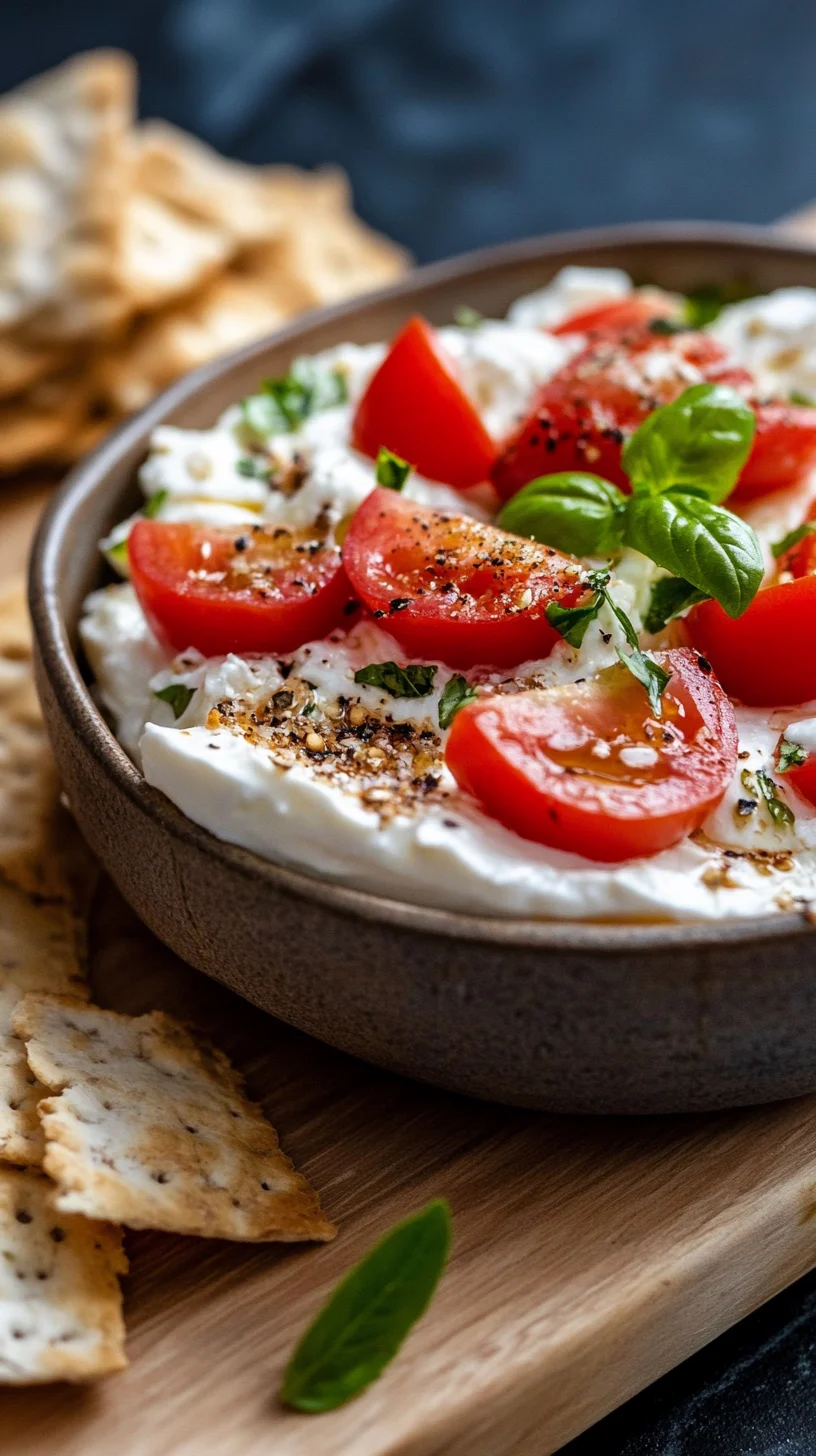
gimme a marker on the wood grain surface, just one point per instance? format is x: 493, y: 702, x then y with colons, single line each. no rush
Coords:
x: 589, y: 1256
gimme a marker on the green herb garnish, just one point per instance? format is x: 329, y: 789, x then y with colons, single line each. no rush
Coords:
x: 456, y: 694
x: 779, y: 548
x: 669, y: 597
x: 414, y: 681
x: 466, y: 317
x: 253, y: 469
x: 703, y: 305
x: 797, y: 396
x: 392, y: 471
x: 368, y: 1315
x: 666, y: 326
x: 782, y: 816
x: 154, y: 503
x: 790, y: 755
x: 283, y: 404
x: 682, y: 461
x: 178, y: 695
x: 572, y: 623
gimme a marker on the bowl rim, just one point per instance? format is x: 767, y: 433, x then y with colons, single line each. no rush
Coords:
x: 86, y: 721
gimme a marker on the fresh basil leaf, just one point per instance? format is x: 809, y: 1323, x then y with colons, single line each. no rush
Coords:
x: 782, y: 816
x: 456, y: 694
x: 793, y: 538
x: 392, y: 471
x: 701, y: 440
x: 466, y: 317
x: 669, y: 597
x: 796, y: 396
x: 154, y: 503
x: 413, y: 681
x: 649, y: 674
x: 712, y: 549
x: 368, y: 1315
x: 790, y: 755
x: 178, y: 695
x: 572, y: 622
x: 578, y: 513
x: 283, y: 404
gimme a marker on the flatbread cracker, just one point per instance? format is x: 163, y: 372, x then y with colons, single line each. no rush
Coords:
x: 152, y: 1128
x: 23, y: 364
x: 42, y: 948
x: 65, y: 165
x: 60, y: 1298
x: 38, y: 427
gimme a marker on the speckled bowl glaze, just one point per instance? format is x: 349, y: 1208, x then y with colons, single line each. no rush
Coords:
x: 568, y: 1017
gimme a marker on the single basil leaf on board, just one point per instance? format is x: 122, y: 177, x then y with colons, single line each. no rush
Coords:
x: 178, y: 695
x: 367, y: 1317
x: 790, y: 755
x: 574, y: 512
x: 456, y: 694
x: 793, y: 538
x: 708, y: 546
x: 669, y: 597
x: 414, y: 681
x: 782, y: 816
x: 391, y: 470
x: 702, y: 439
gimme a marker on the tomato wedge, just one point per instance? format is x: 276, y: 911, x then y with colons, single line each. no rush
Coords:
x: 586, y: 768
x: 453, y: 589
x: 767, y: 657
x: 416, y: 406
x: 218, y: 591
x: 622, y: 316
x: 582, y: 416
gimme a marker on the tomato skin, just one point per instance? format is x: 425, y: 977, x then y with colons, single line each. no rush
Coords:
x: 416, y: 407
x: 803, y: 778
x: 396, y: 551
x: 500, y: 751
x: 626, y: 315
x: 185, y: 610
x: 784, y: 450
x: 767, y: 657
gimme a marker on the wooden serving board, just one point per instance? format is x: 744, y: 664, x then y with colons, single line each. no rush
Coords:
x: 589, y: 1256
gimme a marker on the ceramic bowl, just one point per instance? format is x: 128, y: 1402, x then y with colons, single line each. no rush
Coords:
x: 569, y: 1017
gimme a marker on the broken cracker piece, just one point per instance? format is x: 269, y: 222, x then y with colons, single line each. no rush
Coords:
x: 151, y: 1128
x: 60, y: 1299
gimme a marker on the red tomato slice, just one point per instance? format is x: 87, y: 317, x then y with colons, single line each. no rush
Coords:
x: 767, y: 657
x: 803, y: 778
x: 784, y: 449
x: 623, y: 316
x: 550, y: 764
x: 453, y: 589
x: 801, y: 559
x: 416, y: 406
x: 219, y: 591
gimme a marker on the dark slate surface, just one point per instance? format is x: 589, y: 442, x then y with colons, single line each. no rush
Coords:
x: 465, y: 122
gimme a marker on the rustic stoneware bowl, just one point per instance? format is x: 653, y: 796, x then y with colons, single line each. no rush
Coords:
x: 570, y: 1017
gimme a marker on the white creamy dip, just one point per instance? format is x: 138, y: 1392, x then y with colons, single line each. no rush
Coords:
x: 348, y: 825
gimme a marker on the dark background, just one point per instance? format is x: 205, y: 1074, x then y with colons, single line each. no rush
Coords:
x: 469, y: 121
x: 463, y: 122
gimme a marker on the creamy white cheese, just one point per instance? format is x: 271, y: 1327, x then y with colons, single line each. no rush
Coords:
x: 802, y: 732
x: 570, y: 291
x: 775, y: 337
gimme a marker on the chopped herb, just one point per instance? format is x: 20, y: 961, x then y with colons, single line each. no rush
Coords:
x: 154, y: 503
x: 178, y: 695
x: 666, y: 326
x: 703, y: 305
x: 253, y: 469
x: 467, y: 317
x: 796, y: 396
x: 669, y: 597
x: 572, y: 623
x: 118, y: 555
x: 413, y: 681
x: 283, y: 404
x: 793, y: 538
x: 790, y: 755
x: 782, y: 816
x: 369, y: 1313
x: 392, y: 471
x: 456, y: 694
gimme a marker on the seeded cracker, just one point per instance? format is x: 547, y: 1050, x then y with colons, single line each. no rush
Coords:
x: 60, y: 1301
x: 152, y: 1128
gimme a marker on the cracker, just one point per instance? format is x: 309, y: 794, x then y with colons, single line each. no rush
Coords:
x: 65, y: 169
x: 23, y: 363
x: 151, y: 1128
x: 42, y: 948
x: 37, y: 428
x: 60, y: 1298
x: 166, y: 253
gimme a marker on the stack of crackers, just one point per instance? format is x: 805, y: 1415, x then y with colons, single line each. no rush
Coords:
x: 104, y: 1119
x: 130, y: 253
